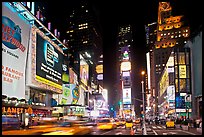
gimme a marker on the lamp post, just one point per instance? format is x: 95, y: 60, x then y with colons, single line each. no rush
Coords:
x: 143, y: 96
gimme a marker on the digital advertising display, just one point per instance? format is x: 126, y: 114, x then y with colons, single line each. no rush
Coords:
x: 15, y: 40
x: 70, y: 94
x: 48, y: 63
x: 84, y: 71
x: 65, y: 74
x: 125, y: 66
x: 127, y: 96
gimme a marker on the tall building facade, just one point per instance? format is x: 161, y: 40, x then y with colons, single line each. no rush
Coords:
x: 124, y: 41
x: 84, y: 36
x: 195, y: 45
x: 172, y: 32
x: 86, y: 51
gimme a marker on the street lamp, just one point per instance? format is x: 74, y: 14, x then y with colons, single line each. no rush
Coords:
x: 143, y: 96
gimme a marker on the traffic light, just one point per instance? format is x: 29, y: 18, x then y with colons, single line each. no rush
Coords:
x: 112, y: 108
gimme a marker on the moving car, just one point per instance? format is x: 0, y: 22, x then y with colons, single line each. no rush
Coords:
x: 104, y: 124
x: 64, y: 128
x: 129, y: 123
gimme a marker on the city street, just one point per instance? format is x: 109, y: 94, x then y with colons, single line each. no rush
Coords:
x: 151, y: 130
x: 86, y: 67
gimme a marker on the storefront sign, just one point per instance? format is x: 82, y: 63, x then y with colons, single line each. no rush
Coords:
x: 13, y: 110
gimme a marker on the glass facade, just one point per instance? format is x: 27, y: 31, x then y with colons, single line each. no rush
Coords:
x: 182, y: 81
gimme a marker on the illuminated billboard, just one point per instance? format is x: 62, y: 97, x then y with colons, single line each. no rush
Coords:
x: 48, y: 63
x: 125, y: 66
x: 15, y: 41
x: 164, y: 82
x: 127, y: 96
x: 99, y: 68
x: 73, y: 77
x: 126, y: 73
x: 45, y: 61
x: 84, y: 71
x: 70, y: 94
x: 65, y: 74
x: 182, y: 71
x: 100, y: 77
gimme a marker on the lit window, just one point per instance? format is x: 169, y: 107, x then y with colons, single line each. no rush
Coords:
x: 162, y: 34
x: 179, y: 35
x: 86, y: 10
x: 186, y: 34
x: 179, y: 31
x: 186, y: 30
x: 184, y: 41
x: 175, y: 36
x: 163, y: 64
x: 172, y: 36
x: 168, y: 33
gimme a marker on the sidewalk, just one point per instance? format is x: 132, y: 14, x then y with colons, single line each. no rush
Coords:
x: 190, y: 129
x: 194, y: 130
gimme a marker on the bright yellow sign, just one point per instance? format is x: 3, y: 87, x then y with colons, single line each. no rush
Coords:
x: 99, y: 68
x: 182, y: 71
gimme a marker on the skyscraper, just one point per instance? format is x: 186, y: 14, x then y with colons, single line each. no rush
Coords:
x: 124, y: 41
x: 84, y: 37
x: 172, y: 32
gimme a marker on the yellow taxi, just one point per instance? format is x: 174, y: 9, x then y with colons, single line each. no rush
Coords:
x: 118, y: 122
x: 105, y: 124
x: 170, y: 123
x: 129, y: 123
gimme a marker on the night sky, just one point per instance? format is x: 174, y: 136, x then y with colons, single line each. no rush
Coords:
x: 113, y: 13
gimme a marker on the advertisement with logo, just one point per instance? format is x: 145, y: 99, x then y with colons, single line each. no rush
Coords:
x: 15, y: 39
x: 84, y: 71
x: 127, y: 96
x: 65, y: 74
x: 70, y: 95
x: 48, y: 63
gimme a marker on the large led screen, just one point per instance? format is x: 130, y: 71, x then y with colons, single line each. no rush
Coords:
x: 127, y: 96
x: 48, y: 63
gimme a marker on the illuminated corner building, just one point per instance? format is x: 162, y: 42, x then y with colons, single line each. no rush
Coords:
x: 172, y: 32
x: 124, y: 41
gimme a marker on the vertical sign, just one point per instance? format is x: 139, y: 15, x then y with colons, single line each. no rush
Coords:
x: 15, y: 39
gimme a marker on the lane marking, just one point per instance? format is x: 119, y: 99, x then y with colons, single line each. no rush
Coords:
x: 154, y: 132
x: 118, y: 133
x: 106, y: 132
x: 187, y: 132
